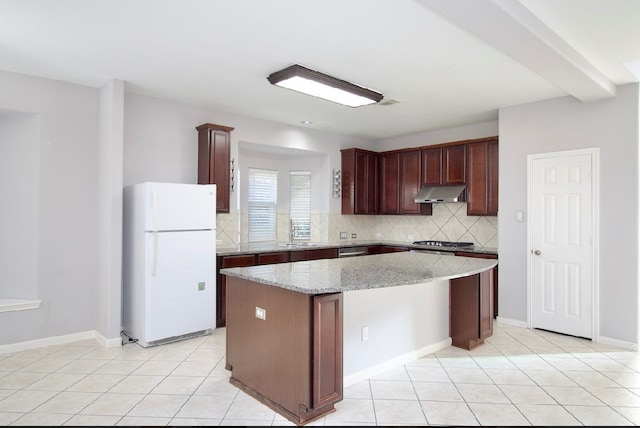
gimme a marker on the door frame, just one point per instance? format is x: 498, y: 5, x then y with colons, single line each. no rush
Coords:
x: 595, y: 225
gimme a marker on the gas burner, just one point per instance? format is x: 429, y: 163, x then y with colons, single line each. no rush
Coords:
x: 443, y: 243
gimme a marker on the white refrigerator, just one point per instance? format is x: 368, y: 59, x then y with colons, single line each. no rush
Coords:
x: 169, y: 258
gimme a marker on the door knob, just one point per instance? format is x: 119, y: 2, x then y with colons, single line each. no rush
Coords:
x: 537, y: 252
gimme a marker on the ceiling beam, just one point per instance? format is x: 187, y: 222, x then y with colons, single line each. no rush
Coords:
x: 511, y: 28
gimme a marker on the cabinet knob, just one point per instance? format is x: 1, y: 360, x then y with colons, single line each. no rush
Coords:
x: 537, y: 252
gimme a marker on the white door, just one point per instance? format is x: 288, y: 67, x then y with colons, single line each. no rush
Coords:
x: 561, y: 207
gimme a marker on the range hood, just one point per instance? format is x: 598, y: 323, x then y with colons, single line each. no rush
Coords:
x: 430, y: 194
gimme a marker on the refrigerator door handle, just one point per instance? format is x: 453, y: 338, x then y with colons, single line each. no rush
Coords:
x: 154, y: 261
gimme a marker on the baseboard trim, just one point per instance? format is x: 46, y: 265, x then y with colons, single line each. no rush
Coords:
x: 394, y: 362
x: 618, y: 343
x: 18, y: 304
x: 60, y: 340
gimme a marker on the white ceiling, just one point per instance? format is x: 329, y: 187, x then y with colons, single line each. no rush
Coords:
x: 446, y: 62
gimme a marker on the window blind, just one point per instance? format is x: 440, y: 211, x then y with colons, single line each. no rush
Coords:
x: 262, y: 200
x: 300, y: 204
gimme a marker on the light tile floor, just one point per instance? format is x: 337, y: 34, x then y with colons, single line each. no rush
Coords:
x: 518, y: 377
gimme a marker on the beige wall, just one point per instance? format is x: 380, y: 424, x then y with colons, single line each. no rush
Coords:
x: 449, y: 222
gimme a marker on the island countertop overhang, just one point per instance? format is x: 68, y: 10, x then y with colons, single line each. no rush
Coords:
x: 360, y: 273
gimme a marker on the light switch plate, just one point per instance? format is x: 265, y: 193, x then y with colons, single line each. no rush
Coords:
x: 261, y: 313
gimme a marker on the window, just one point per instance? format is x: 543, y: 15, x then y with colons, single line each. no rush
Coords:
x: 300, y: 205
x: 262, y: 199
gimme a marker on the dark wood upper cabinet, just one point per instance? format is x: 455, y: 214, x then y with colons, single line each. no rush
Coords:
x: 410, y: 183
x: 389, y: 183
x: 482, y: 177
x: 453, y: 164
x: 432, y: 166
x: 214, y: 161
x: 443, y: 165
x: 402, y: 173
x: 400, y: 180
x: 360, y: 177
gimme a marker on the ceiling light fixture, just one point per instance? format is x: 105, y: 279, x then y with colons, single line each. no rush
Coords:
x: 320, y: 85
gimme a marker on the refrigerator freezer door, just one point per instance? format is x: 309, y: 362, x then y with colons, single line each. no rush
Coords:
x: 177, y: 206
x: 180, y: 283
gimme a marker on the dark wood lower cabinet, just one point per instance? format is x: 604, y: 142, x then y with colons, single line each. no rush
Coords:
x: 315, y: 254
x: 242, y: 260
x: 245, y: 260
x: 495, y: 275
x: 471, y: 309
x: 292, y: 359
x: 272, y: 258
x: 392, y: 249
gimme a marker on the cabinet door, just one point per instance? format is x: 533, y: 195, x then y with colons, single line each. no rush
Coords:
x: 359, y: 181
x: 327, y: 350
x: 492, y: 177
x: 486, y: 303
x: 410, y: 182
x: 242, y: 260
x: 389, y: 183
x: 400, y: 181
x: 273, y: 258
x: 494, y: 277
x: 367, y: 189
x: 482, y: 178
x: 453, y: 164
x: 317, y: 254
x: 392, y: 249
x: 432, y: 166
x: 374, y: 249
x: 214, y: 158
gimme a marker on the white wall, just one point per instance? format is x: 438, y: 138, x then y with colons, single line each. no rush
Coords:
x: 110, y: 149
x: 404, y: 323
x: 567, y: 124
x: 161, y: 140
x: 66, y: 208
x: 467, y: 132
x: 19, y: 216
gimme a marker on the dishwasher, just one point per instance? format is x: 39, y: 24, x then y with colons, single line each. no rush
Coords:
x: 352, y: 251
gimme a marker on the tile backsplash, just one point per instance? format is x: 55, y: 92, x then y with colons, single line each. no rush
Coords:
x: 449, y: 222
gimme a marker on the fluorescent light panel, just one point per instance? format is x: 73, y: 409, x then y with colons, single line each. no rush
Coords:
x: 314, y: 83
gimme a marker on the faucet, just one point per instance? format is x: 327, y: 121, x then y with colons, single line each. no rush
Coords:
x: 293, y: 231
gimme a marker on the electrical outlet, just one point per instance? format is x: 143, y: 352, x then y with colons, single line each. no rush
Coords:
x: 378, y: 234
x: 354, y: 235
x: 365, y: 333
x: 261, y: 313
x: 343, y: 235
x: 409, y: 237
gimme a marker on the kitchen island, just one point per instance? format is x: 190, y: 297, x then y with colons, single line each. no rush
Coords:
x: 286, y: 322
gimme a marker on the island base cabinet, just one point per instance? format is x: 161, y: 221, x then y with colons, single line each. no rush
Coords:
x: 284, y: 348
x: 471, y: 309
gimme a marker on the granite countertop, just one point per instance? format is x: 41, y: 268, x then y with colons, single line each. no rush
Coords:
x: 360, y: 273
x: 275, y: 247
